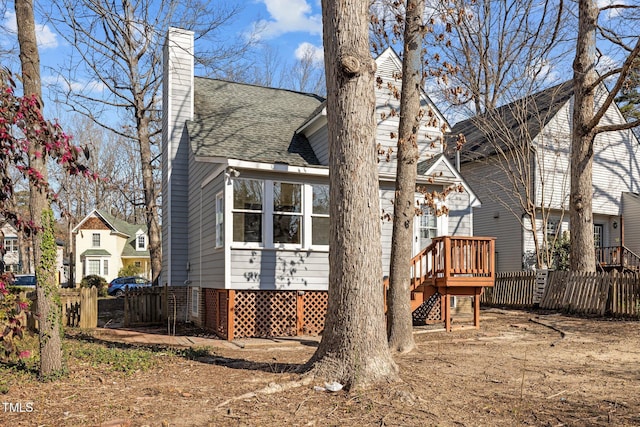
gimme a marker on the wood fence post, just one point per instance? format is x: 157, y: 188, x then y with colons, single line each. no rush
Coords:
x: 299, y: 312
x: 231, y: 307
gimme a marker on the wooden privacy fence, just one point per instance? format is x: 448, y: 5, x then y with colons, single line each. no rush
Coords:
x: 79, y: 308
x: 145, y: 306
x: 614, y: 293
x: 514, y: 288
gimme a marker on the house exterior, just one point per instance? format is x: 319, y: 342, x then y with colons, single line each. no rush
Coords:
x: 245, y: 193
x: 542, y: 124
x: 11, y: 245
x: 104, y: 244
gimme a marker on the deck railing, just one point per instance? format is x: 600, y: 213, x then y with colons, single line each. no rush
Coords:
x: 617, y: 256
x: 452, y: 261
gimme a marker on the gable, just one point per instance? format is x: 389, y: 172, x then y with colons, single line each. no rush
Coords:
x: 93, y: 223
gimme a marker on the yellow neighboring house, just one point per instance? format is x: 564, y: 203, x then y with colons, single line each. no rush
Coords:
x: 105, y: 244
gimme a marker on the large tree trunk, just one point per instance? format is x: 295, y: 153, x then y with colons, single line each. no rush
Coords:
x: 354, y: 349
x: 400, y: 321
x: 584, y: 76
x: 44, y: 247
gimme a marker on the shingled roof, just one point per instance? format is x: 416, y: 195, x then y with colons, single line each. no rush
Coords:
x: 521, y: 121
x: 127, y: 229
x: 254, y: 123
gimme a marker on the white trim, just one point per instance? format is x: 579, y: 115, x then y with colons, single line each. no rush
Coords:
x: 473, y: 199
x: 228, y: 230
x: 270, y: 167
x: 313, y: 121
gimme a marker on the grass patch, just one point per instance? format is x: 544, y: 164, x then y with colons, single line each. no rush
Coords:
x: 113, y: 357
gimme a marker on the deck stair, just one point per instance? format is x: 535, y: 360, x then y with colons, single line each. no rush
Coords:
x: 618, y: 258
x: 451, y: 266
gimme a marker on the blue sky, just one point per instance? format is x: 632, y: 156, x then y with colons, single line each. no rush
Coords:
x: 287, y: 26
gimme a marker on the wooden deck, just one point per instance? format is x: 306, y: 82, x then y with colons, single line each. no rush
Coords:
x: 617, y: 258
x: 453, y: 266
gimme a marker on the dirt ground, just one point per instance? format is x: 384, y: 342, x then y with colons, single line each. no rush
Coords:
x: 520, y: 368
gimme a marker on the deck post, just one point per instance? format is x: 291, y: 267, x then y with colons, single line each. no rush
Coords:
x: 231, y: 303
x: 447, y: 312
x: 476, y: 308
x: 300, y: 312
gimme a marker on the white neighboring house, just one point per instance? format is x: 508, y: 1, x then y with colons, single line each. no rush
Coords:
x: 104, y: 244
x: 11, y: 258
x: 546, y: 120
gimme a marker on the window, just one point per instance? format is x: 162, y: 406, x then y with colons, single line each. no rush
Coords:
x: 247, y: 210
x: 320, y: 215
x: 141, y: 242
x: 428, y: 226
x: 287, y: 213
x: 93, y: 266
x: 105, y: 267
x: 195, y: 301
x: 138, y: 264
x: 552, y: 228
x: 598, y: 235
x: 95, y: 240
x: 219, y: 220
x: 10, y: 245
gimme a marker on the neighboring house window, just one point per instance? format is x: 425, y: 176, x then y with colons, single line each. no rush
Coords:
x: 320, y: 215
x: 138, y: 264
x: 141, y: 242
x: 552, y: 228
x: 10, y: 245
x: 93, y: 266
x: 105, y: 267
x: 95, y: 240
x: 195, y: 301
x: 287, y: 213
x: 219, y: 219
x: 247, y: 210
x: 598, y: 231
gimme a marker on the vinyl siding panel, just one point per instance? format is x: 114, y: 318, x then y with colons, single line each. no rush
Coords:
x: 205, y: 260
x: 631, y: 212
x: 274, y: 269
x: 493, y: 219
x: 460, y: 217
x: 319, y: 141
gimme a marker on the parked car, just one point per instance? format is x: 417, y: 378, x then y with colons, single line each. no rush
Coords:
x: 117, y: 286
x: 27, y: 280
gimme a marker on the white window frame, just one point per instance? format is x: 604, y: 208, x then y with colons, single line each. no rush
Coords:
x: 268, y: 213
x: 265, y: 218
x: 141, y: 238
x: 94, y: 237
x: 220, y: 219
x: 309, y: 215
x: 93, y: 261
x: 105, y: 267
x: 272, y: 212
x: 195, y: 301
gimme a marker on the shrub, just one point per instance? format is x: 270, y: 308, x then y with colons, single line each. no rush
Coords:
x: 13, y: 321
x: 130, y: 270
x: 94, y: 280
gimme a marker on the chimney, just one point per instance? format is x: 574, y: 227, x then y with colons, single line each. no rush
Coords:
x: 177, y: 108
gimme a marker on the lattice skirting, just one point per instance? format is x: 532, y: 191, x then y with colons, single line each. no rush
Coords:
x: 241, y: 314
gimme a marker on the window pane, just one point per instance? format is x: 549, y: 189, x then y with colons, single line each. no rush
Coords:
x: 319, y: 231
x: 247, y: 227
x: 320, y: 199
x: 93, y: 266
x: 105, y: 271
x: 247, y: 194
x: 287, y: 197
x: 96, y: 240
x: 286, y: 228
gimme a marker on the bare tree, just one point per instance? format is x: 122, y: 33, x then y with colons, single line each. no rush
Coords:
x: 587, y: 114
x: 521, y: 165
x: 120, y: 46
x: 501, y: 49
x: 354, y: 349
x: 399, y: 317
x: 306, y: 74
x: 48, y: 309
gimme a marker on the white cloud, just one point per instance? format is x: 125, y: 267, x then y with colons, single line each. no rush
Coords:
x: 288, y: 16
x: 87, y: 86
x: 306, y: 50
x: 47, y: 39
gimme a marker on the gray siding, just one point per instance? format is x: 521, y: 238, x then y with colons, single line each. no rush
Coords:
x: 319, y: 141
x: 631, y: 215
x: 274, y: 269
x: 177, y: 109
x: 493, y: 219
x: 205, y: 260
x: 460, y: 215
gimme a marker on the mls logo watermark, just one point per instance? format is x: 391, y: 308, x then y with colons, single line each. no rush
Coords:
x: 17, y: 407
